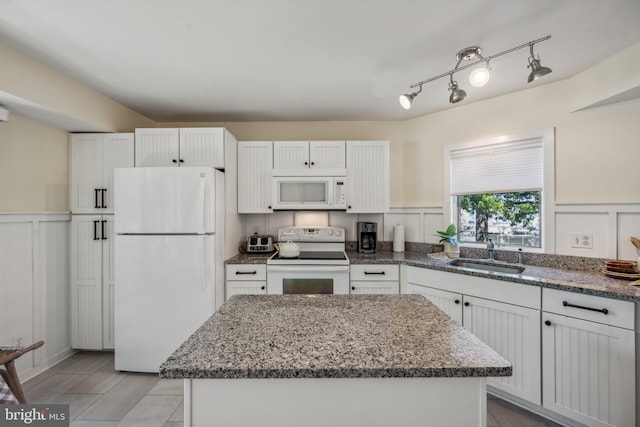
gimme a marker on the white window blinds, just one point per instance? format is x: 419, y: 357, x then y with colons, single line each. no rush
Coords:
x: 498, y: 167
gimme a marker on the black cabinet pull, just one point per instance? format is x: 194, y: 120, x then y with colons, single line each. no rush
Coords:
x: 263, y: 287
x: 104, y: 190
x: 269, y: 207
x: 375, y: 272
x: 181, y: 161
x: 306, y: 163
x: 313, y: 163
x: 547, y: 322
x: 174, y: 161
x: 466, y: 303
x: 456, y: 301
x: 599, y: 310
x: 246, y: 272
x: 349, y: 207
x: 96, y: 198
x: 353, y: 288
x: 95, y: 230
x: 104, y: 221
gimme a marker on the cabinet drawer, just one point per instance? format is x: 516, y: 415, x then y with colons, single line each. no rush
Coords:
x: 590, y: 307
x: 373, y: 288
x: 377, y: 272
x: 246, y: 272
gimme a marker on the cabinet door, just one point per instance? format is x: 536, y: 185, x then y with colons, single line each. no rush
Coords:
x: 255, y: 160
x: 86, y: 282
x: 514, y: 333
x: 86, y: 173
x: 327, y: 155
x: 449, y: 302
x: 367, y: 176
x: 290, y: 155
x: 108, y: 282
x: 202, y: 147
x: 374, y: 288
x: 117, y: 152
x: 246, y: 287
x: 588, y: 371
x: 157, y: 147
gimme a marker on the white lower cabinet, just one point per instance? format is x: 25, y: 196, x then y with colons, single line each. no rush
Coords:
x: 92, y: 282
x: 514, y: 333
x: 245, y: 279
x: 506, y: 316
x: 449, y: 302
x: 374, y: 279
x: 589, y: 367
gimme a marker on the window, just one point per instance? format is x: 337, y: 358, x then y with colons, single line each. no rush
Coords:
x: 502, y: 189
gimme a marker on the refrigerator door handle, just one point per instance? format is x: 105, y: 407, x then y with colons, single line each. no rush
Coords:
x: 205, y: 264
x: 201, y: 201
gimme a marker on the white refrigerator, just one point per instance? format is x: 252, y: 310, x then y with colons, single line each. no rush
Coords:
x: 169, y: 225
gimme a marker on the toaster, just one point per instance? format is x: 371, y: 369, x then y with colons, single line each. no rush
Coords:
x: 260, y: 243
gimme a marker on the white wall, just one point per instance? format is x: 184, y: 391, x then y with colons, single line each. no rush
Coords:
x: 34, y: 287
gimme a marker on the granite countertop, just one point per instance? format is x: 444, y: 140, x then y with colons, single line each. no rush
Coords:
x: 332, y: 336
x: 587, y: 282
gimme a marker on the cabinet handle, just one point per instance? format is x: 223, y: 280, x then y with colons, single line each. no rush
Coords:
x: 547, y: 322
x: 104, y: 190
x: 349, y: 207
x: 375, y: 272
x: 95, y: 230
x: 269, y: 207
x: 174, y: 161
x: 263, y: 287
x: 181, y: 161
x: 466, y: 303
x: 457, y: 301
x: 246, y: 272
x: 353, y: 288
x: 306, y: 163
x: 104, y: 221
x: 313, y: 163
x: 96, y: 198
x: 599, y: 310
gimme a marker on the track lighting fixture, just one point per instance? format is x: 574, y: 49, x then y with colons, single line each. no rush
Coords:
x: 480, y: 75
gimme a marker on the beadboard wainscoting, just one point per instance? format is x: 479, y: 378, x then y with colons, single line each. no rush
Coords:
x: 34, y: 287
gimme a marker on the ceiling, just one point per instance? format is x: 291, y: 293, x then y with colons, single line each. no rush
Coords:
x: 274, y: 60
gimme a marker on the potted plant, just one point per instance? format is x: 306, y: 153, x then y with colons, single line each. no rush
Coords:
x: 448, y: 237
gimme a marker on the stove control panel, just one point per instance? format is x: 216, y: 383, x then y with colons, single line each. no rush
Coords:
x: 311, y: 234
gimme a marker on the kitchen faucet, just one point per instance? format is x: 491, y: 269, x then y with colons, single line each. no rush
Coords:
x: 492, y: 250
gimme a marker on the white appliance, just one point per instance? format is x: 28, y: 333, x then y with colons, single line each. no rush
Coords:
x: 309, y: 193
x: 169, y: 225
x: 321, y: 268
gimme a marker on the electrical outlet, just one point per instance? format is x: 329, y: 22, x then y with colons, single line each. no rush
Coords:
x: 581, y: 240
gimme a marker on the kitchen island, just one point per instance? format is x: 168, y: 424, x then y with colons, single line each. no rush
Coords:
x: 339, y: 360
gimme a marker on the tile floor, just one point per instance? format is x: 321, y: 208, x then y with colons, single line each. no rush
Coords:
x: 99, y: 396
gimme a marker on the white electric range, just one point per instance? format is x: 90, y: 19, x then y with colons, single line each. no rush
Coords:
x: 321, y: 268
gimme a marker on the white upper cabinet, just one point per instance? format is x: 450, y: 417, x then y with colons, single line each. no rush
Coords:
x: 180, y: 147
x: 367, y: 176
x: 93, y: 159
x: 292, y: 158
x: 255, y: 160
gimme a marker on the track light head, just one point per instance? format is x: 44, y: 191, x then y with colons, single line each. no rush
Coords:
x: 407, y: 99
x: 457, y: 95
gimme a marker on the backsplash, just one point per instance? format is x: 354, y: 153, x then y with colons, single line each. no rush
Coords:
x: 387, y: 246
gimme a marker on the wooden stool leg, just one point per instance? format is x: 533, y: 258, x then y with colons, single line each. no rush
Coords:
x: 13, y: 382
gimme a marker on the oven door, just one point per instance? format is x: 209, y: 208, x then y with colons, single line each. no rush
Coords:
x: 307, y: 279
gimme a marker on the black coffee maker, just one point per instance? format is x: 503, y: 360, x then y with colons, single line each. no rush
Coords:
x: 367, y: 237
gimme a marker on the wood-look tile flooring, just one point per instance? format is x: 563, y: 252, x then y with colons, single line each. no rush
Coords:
x: 100, y: 396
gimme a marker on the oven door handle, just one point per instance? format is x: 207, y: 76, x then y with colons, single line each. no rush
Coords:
x: 308, y: 268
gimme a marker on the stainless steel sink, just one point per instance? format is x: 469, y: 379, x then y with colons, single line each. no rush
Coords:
x: 486, y: 267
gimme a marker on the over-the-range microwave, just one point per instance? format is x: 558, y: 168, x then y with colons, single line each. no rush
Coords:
x: 309, y: 193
